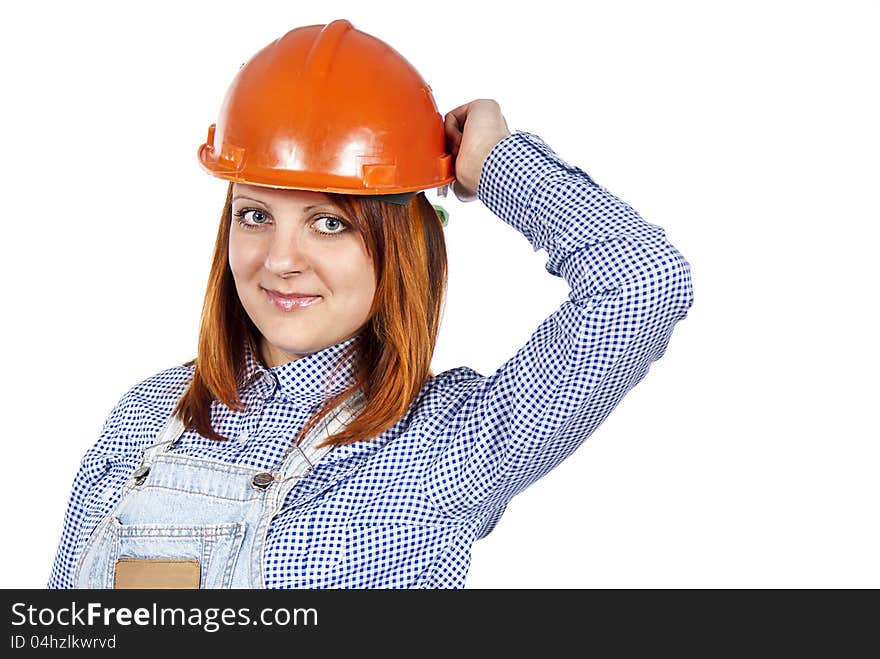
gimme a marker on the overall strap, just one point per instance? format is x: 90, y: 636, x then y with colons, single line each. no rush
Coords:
x: 170, y: 433
x: 302, y: 458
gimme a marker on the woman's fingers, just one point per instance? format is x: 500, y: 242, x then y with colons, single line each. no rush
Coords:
x: 453, y: 132
x: 460, y: 113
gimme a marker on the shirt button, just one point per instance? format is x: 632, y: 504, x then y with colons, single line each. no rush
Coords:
x: 269, y: 383
x: 140, y: 475
x: 263, y: 480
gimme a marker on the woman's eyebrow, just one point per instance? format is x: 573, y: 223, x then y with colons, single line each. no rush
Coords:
x: 249, y: 199
x: 305, y: 208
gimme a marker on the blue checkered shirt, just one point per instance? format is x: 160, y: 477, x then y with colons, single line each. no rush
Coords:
x: 403, y: 510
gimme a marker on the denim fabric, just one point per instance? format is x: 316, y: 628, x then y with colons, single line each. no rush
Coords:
x: 208, y: 509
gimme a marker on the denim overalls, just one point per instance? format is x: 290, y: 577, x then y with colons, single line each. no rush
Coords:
x: 206, y: 516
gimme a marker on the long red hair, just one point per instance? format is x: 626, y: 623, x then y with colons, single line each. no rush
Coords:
x: 392, y: 355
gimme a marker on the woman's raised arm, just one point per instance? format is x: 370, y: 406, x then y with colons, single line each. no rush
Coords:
x: 629, y: 286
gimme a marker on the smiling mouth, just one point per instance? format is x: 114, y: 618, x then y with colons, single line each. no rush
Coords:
x: 291, y: 302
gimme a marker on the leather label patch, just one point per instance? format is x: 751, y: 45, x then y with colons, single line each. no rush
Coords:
x: 156, y: 573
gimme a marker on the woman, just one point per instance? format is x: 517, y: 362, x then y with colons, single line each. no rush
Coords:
x: 309, y: 444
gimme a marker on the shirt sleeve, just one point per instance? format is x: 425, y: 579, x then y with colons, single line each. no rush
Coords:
x: 629, y: 286
x: 94, y: 465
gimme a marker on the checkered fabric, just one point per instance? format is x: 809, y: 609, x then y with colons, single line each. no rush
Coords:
x: 403, y: 510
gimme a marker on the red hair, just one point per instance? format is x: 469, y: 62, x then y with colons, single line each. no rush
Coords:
x: 392, y: 356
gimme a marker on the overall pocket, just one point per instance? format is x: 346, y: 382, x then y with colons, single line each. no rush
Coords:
x: 215, y: 547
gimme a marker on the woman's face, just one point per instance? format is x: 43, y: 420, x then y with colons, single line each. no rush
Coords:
x: 297, y: 241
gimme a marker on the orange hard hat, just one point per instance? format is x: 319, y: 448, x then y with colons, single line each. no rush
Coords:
x: 332, y: 109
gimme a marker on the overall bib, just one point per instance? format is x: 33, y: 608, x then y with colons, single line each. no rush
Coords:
x: 188, y: 522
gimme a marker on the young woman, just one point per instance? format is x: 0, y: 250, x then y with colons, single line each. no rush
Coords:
x: 309, y: 445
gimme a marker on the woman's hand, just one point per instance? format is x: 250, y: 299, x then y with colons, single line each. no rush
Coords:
x: 472, y: 130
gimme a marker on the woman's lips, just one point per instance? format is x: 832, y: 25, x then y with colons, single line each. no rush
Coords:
x: 291, y: 302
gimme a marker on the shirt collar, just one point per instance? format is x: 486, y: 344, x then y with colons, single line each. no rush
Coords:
x: 304, y: 382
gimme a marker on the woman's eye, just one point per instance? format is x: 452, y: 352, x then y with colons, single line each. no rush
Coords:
x: 257, y: 216
x: 330, y: 224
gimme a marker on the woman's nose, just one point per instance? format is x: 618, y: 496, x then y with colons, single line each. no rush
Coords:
x: 286, y: 253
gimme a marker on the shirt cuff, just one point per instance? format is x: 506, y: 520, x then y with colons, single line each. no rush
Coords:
x: 513, y: 172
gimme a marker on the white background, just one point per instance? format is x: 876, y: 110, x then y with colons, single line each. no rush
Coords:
x: 747, y: 457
